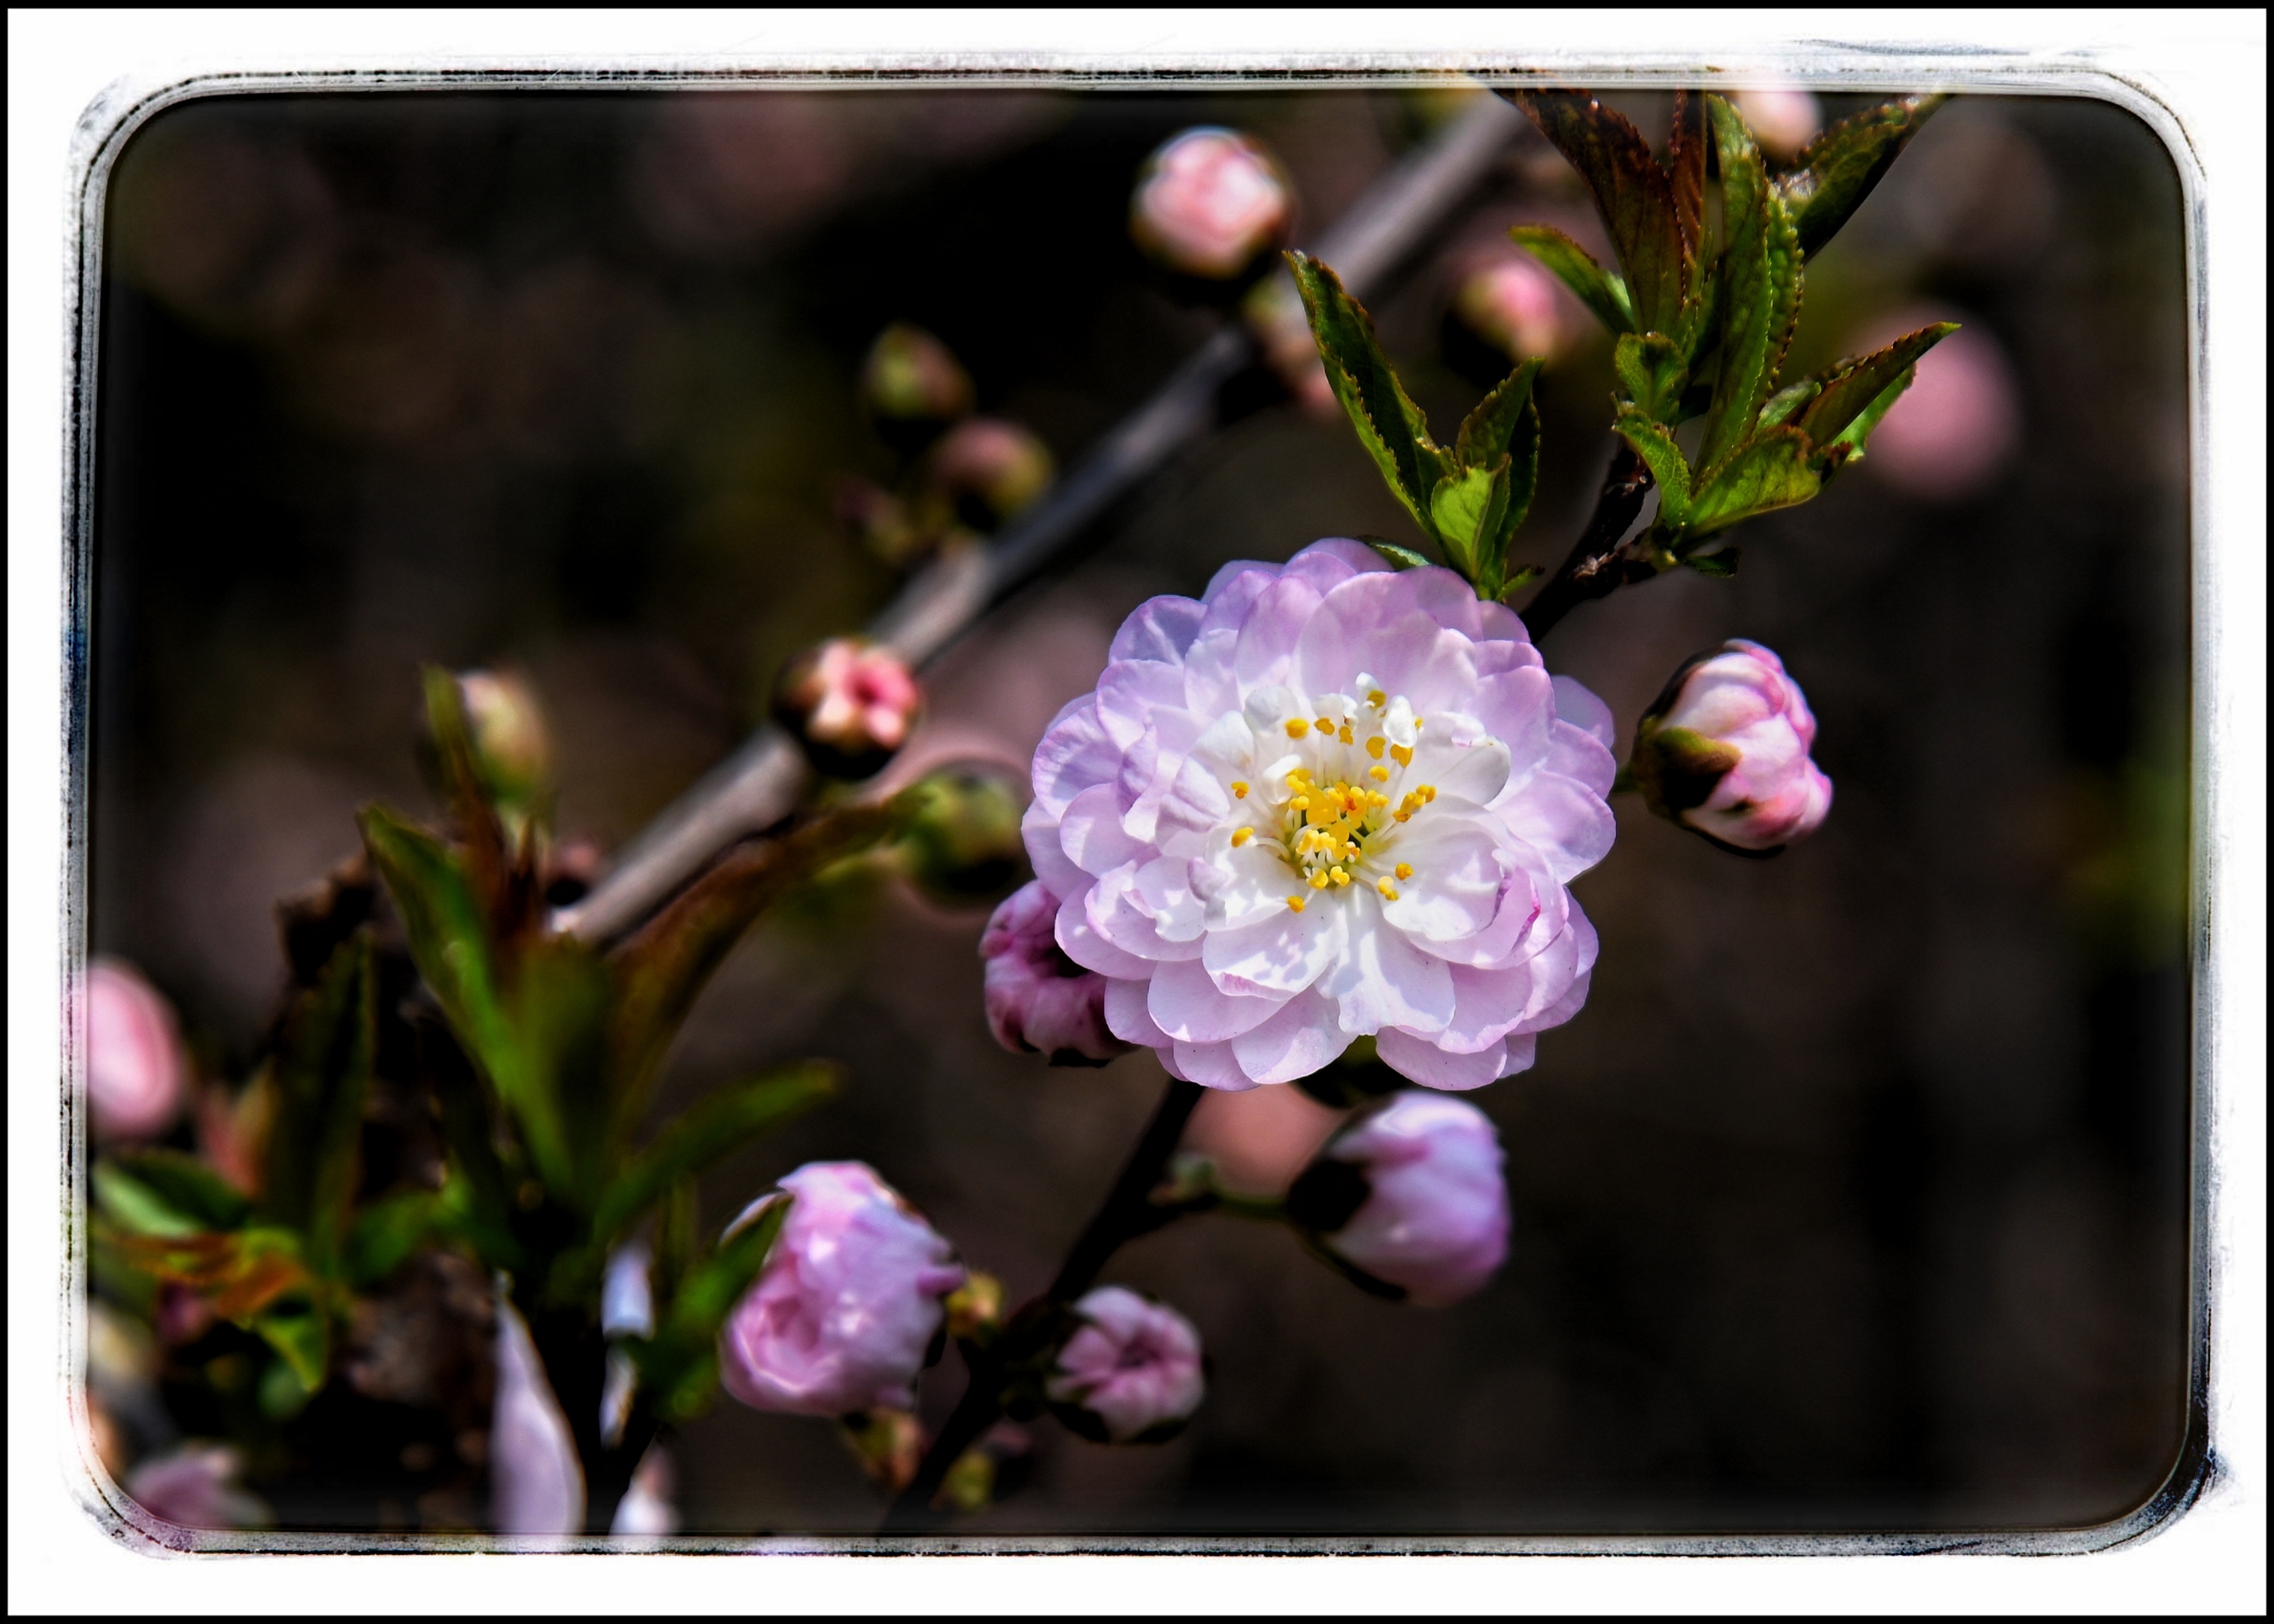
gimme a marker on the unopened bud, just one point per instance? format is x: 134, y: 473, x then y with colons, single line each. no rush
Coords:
x: 1131, y: 1373
x: 137, y: 1076
x: 1038, y: 998
x: 1784, y: 119
x: 987, y: 470
x: 1513, y: 304
x: 888, y: 1443
x: 1724, y: 751
x: 975, y: 1309
x: 881, y: 523
x: 1209, y: 201
x: 964, y: 844
x: 911, y: 375
x: 513, y: 751
x: 851, y: 703
x: 1411, y: 1196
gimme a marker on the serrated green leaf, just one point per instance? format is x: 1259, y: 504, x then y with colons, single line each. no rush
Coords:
x: 1493, y: 426
x: 1505, y: 426
x: 186, y: 1188
x: 1842, y: 166
x: 1652, y: 374
x: 1523, y: 574
x: 1405, y: 558
x: 1466, y: 508
x: 1602, y: 291
x: 1685, y: 163
x: 1781, y: 405
x: 714, y: 1127
x: 444, y: 921
x: 322, y: 1074
x: 1854, y: 385
x: 1389, y: 424
x: 1635, y: 195
x: 1749, y: 293
x: 1668, y: 469
x: 1771, y: 471
x: 1848, y: 445
x: 1787, y: 275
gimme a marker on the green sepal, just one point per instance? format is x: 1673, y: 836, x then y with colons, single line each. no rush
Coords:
x: 189, y: 1195
x: 1633, y: 192
x: 1652, y: 372
x: 1403, y: 556
x: 1602, y: 291
x: 1842, y: 166
x: 1668, y: 469
x: 1389, y: 424
x: 1774, y: 469
x: 1677, y: 769
x: 1857, y: 387
x: 487, y: 859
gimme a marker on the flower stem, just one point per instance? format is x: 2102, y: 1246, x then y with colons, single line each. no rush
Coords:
x: 1127, y: 1212
x: 1596, y: 566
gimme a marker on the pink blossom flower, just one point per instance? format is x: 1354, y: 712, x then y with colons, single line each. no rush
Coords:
x: 1326, y: 800
x: 195, y: 1485
x: 1724, y: 751
x: 1038, y: 998
x: 848, y: 1305
x: 137, y: 1078
x: 1513, y: 304
x: 1209, y: 201
x: 1784, y: 118
x: 852, y: 702
x: 1411, y: 1194
x: 1132, y: 1370
x: 537, y: 1483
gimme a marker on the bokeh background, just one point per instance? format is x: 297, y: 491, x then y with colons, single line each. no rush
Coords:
x: 1856, y: 1196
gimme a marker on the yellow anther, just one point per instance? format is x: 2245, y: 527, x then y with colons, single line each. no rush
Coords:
x: 1350, y: 848
x: 1301, y: 803
x: 1401, y: 814
x: 1318, y: 882
x: 1404, y: 753
x: 1417, y: 724
x: 1428, y: 792
x: 1241, y: 837
x: 1297, y: 729
x: 1376, y: 698
x: 1374, y: 745
x: 1337, y: 875
x: 1238, y: 789
x: 1375, y: 798
x: 1295, y: 903
x: 1405, y: 871
x: 1345, y: 734
x: 1389, y: 892
x: 1379, y: 774
x: 1325, y: 724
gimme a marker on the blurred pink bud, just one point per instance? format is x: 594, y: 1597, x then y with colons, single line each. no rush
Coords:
x: 1208, y: 201
x: 537, y: 1485
x: 195, y: 1485
x: 909, y: 374
x: 1132, y: 1373
x: 999, y: 464
x: 1038, y: 998
x: 1512, y: 303
x: 1411, y: 1194
x: 1724, y: 751
x: 1948, y: 435
x: 851, y: 703
x: 137, y: 1077
x: 846, y: 1309
x: 1783, y: 118
x: 512, y: 749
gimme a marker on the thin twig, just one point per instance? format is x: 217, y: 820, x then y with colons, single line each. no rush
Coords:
x: 1597, y: 565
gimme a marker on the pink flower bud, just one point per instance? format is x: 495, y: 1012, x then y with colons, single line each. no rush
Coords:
x: 194, y: 1485
x: 1950, y: 434
x: 137, y: 1077
x: 1411, y: 1194
x: 998, y: 466
x: 846, y: 1309
x: 1132, y: 1372
x: 1038, y: 998
x: 910, y: 375
x: 1513, y: 304
x: 512, y: 750
x: 1724, y: 751
x: 1784, y: 119
x: 851, y: 703
x: 1208, y: 201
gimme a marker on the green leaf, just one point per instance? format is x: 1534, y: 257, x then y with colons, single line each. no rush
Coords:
x: 1664, y: 459
x: 1721, y: 565
x: 1504, y: 429
x: 1389, y: 424
x: 239, y: 1273
x: 1523, y: 574
x: 1840, y: 168
x: 1652, y: 374
x: 187, y: 1190
x: 1785, y: 401
x: 477, y: 1197
x: 1774, y: 470
x: 1685, y: 163
x: 557, y: 1009
x: 323, y: 1072
x: 1749, y: 292
x: 1600, y: 291
x: 488, y: 861
x: 389, y: 1230
x: 1853, y: 386
x: 1467, y: 507
x: 1848, y: 445
x: 1405, y: 558
x: 136, y: 1208
x: 1635, y: 194
x: 448, y: 939
x: 680, y: 1364
x: 714, y: 1127
x: 302, y: 1336
x: 660, y: 968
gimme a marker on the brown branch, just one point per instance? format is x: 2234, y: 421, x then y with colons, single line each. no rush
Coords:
x: 1597, y: 565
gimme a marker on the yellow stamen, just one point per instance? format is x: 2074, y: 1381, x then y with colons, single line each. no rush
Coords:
x: 1389, y: 892
x: 1318, y: 882
x: 1404, y: 753
x: 1345, y: 734
x: 1325, y: 724
x: 1374, y: 745
x: 1379, y: 774
x: 1376, y: 698
x: 1240, y: 789
x: 1401, y: 815
x: 1417, y: 724
x: 1241, y: 837
x: 1301, y: 803
x: 1428, y: 792
x: 1297, y: 729
x: 1295, y: 903
x: 1335, y: 874
x: 1405, y: 871
x: 1375, y: 798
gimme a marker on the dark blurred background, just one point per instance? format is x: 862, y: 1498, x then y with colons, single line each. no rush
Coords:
x: 1856, y: 1196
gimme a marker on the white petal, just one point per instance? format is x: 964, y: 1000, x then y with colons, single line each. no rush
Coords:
x: 1129, y: 693
x: 1075, y: 753
x: 1568, y: 825
x: 1383, y: 980
x: 1160, y: 628
x: 1120, y: 916
x: 1128, y: 1016
x: 1059, y: 873
x: 1185, y: 1004
x: 1281, y: 954
x: 1091, y: 836
x: 1165, y: 892
x: 1295, y: 1042
x: 1431, y: 1067
x: 1079, y: 942
x: 1471, y: 772
x: 1212, y: 1065
x: 1457, y: 884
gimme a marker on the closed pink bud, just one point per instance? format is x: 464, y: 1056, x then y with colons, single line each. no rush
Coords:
x: 1038, y: 998
x: 1411, y: 1195
x: 137, y: 1077
x: 1724, y: 751
x: 1208, y: 202
x: 1132, y: 1372
x: 195, y: 1485
x: 852, y: 704
x: 995, y: 465
x: 1784, y: 118
x: 909, y: 374
x: 845, y: 1310
x: 1512, y: 303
